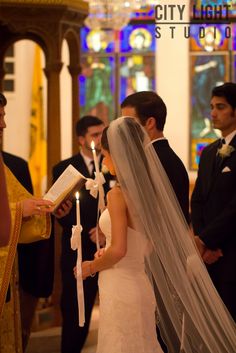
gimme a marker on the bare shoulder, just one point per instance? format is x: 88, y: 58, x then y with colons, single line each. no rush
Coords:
x: 115, y: 196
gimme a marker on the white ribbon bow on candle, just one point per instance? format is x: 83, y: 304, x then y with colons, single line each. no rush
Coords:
x: 75, y: 240
x: 93, y: 185
x: 76, y: 245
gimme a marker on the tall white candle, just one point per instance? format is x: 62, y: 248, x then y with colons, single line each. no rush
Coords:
x: 77, y: 209
x: 95, y: 158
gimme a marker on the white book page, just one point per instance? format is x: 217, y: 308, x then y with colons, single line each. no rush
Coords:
x: 64, y: 183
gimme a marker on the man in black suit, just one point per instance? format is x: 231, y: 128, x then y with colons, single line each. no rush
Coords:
x: 88, y: 129
x: 35, y: 260
x: 150, y: 111
x: 213, y: 200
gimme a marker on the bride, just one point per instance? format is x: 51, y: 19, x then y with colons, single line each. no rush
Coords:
x: 149, y: 250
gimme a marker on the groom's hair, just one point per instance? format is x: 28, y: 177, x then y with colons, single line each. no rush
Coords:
x: 227, y: 91
x: 85, y: 122
x: 147, y: 104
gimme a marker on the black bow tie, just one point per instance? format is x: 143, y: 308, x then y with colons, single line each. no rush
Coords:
x: 222, y: 142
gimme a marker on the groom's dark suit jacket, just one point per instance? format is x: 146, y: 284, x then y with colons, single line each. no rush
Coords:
x: 176, y: 173
x: 214, y: 210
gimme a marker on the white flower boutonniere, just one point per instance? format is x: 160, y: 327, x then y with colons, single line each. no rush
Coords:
x: 225, y: 150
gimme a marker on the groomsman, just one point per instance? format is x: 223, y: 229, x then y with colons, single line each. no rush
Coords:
x: 214, y: 198
x: 150, y: 111
x: 88, y: 129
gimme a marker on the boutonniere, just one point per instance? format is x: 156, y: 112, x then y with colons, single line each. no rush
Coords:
x: 104, y: 170
x: 225, y: 150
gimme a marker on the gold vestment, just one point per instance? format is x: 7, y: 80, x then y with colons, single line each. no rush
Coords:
x: 22, y: 231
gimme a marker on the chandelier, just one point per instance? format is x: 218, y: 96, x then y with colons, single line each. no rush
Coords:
x: 113, y: 14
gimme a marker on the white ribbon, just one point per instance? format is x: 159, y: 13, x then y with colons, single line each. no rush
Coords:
x: 92, y: 186
x: 96, y: 188
x: 95, y: 185
x: 75, y: 242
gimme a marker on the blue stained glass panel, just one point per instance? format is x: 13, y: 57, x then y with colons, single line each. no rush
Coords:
x: 210, y: 37
x: 234, y: 58
x: 98, y: 41
x: 146, y: 12
x: 137, y: 73
x: 199, y: 3
x: 234, y: 37
x: 208, y: 71
x: 137, y: 38
x: 199, y: 148
x: 97, y: 87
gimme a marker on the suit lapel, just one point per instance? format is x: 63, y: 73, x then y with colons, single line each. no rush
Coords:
x: 225, y: 160
x: 211, y: 173
x: 80, y: 164
x: 233, y: 143
x: 210, y: 166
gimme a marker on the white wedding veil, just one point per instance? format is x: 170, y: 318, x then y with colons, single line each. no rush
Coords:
x: 191, y: 316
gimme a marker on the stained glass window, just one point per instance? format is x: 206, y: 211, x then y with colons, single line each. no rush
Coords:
x: 115, y: 64
x: 234, y: 53
x: 97, y: 86
x: 212, y: 59
x: 202, y: 5
x: 137, y: 59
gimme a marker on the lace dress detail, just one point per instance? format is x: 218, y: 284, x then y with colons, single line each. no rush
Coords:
x: 127, y: 302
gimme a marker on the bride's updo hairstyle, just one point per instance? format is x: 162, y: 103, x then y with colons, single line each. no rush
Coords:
x: 135, y: 132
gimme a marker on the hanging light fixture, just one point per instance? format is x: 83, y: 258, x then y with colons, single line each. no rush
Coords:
x: 108, y: 14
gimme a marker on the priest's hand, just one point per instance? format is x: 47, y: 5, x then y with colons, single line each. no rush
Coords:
x: 35, y: 206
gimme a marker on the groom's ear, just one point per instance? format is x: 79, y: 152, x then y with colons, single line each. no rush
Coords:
x: 150, y: 124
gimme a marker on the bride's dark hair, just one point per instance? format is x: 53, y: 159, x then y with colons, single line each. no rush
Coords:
x: 104, y: 140
x: 135, y: 132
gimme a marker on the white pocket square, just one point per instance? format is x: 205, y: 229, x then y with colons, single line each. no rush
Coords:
x: 226, y: 170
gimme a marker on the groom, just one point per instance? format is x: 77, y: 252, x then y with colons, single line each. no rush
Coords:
x: 150, y: 111
x: 214, y: 198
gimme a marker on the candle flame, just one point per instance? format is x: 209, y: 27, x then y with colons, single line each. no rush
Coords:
x: 93, y: 145
x: 77, y: 195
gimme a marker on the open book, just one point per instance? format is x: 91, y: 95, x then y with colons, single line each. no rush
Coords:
x: 65, y: 187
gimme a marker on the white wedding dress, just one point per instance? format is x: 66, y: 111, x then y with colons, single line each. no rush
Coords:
x: 127, y: 302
